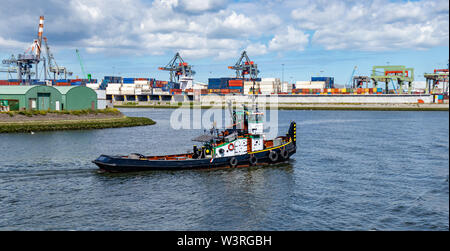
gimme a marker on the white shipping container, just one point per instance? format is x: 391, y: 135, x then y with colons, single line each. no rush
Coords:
x: 113, y: 92
x: 127, y: 91
x: 310, y: 85
x: 93, y: 86
x: 114, y: 86
x: 141, y: 82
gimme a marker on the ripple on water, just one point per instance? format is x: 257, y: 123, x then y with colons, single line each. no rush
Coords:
x: 351, y: 172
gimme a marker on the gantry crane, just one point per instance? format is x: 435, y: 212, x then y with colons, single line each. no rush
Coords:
x: 393, y: 73
x: 32, y: 56
x: 244, y: 66
x: 440, y: 76
x: 178, y: 68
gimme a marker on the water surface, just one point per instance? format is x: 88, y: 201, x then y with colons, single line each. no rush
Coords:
x: 354, y: 170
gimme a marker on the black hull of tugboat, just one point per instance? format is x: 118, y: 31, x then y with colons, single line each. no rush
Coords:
x: 264, y: 157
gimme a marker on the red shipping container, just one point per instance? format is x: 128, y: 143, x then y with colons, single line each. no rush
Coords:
x: 235, y: 82
x: 14, y: 83
x: 62, y: 84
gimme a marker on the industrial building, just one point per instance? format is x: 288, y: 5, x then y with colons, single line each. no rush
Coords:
x: 77, y: 97
x: 41, y: 97
x: 35, y: 97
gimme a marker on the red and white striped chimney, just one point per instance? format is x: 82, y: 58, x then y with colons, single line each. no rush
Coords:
x: 40, y: 31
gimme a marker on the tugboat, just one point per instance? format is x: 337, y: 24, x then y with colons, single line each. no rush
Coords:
x: 241, y: 145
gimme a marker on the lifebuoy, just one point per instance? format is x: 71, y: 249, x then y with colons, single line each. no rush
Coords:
x: 253, y: 160
x: 231, y: 147
x: 284, y: 153
x: 233, y: 162
x: 273, y: 156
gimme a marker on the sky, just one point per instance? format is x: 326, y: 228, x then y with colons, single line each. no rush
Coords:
x: 289, y: 39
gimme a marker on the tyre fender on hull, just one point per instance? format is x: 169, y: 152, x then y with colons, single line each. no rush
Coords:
x: 273, y: 156
x: 284, y: 153
x: 253, y: 160
x: 233, y: 162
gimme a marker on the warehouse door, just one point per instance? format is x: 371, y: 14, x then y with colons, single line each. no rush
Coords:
x: 43, y: 101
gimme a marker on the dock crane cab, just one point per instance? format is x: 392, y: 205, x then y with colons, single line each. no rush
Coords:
x: 244, y: 66
x: 180, y: 72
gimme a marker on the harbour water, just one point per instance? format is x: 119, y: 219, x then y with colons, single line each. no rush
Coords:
x: 353, y: 170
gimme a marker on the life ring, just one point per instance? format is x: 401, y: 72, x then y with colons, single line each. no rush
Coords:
x: 273, y: 156
x: 253, y: 160
x: 233, y: 162
x: 284, y: 154
x: 231, y: 147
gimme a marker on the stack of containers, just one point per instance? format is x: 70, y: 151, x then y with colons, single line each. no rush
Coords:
x: 269, y: 85
x: 215, y: 85
x: 142, y: 86
x: 379, y: 90
x: 62, y: 82
x: 13, y: 82
x: 76, y: 82
x: 329, y: 81
x: 113, y: 89
x: 128, y: 80
x: 165, y: 87
x: 440, y: 99
x: 236, y: 85
x: 286, y: 88
x: 248, y: 87
x: 112, y: 79
x: 128, y: 86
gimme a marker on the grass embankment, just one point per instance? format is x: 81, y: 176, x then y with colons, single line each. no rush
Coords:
x: 33, y: 121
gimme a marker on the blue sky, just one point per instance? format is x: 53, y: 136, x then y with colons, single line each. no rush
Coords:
x: 329, y: 38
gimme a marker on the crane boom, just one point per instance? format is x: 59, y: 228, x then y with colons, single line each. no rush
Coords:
x: 81, y: 63
x: 245, y: 67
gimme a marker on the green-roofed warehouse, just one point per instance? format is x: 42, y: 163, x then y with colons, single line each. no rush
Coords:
x: 77, y: 97
x: 36, y: 97
x: 42, y: 97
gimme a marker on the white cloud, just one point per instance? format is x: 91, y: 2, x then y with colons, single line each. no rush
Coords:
x: 256, y: 49
x: 198, y: 6
x: 12, y: 44
x: 375, y: 25
x: 289, y: 40
x: 222, y: 29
